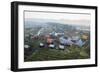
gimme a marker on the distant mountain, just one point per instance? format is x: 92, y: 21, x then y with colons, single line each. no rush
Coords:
x: 31, y: 24
x: 48, y: 27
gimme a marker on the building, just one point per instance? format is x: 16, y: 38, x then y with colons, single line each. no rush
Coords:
x: 65, y: 41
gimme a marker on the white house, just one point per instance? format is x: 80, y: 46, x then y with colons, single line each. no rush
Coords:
x: 26, y: 46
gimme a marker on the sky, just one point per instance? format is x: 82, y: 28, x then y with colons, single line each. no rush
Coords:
x: 67, y: 18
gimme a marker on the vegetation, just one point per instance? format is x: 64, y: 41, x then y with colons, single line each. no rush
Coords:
x: 72, y: 52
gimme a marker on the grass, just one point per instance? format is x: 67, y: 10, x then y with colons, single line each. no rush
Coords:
x: 73, y: 52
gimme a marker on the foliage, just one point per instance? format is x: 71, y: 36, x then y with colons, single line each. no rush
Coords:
x: 73, y: 52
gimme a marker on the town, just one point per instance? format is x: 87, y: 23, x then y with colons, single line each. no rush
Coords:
x: 58, y: 41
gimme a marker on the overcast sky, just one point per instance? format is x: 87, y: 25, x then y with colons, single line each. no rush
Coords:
x: 67, y: 18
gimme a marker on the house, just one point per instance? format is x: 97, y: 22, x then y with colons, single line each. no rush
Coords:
x: 34, y: 37
x: 56, y: 34
x: 85, y: 37
x: 65, y: 41
x: 41, y: 45
x: 49, y: 40
x: 75, y: 38
x: 61, y: 47
x: 51, y: 45
x: 47, y: 36
x: 79, y: 43
x: 26, y: 46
